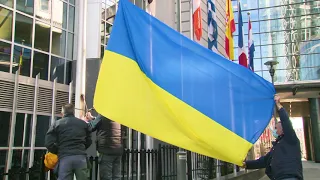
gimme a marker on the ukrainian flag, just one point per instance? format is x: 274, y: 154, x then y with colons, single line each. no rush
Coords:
x: 157, y: 81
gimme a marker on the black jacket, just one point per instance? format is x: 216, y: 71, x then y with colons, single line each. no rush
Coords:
x: 109, y: 139
x: 68, y: 136
x: 284, y: 158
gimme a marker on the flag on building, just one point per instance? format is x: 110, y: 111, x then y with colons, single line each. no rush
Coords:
x: 177, y: 91
x: 243, y: 60
x: 212, y: 26
x: 197, y: 20
x: 251, y: 48
x: 230, y: 29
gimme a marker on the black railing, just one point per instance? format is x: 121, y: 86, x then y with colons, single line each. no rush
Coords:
x: 159, y: 164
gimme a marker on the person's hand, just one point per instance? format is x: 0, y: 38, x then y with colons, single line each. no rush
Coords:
x: 89, y: 116
x: 243, y: 165
x: 277, y: 99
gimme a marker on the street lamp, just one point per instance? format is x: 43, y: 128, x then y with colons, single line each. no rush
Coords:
x: 270, y: 65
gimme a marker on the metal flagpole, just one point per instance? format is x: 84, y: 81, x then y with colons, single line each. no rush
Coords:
x: 181, y: 154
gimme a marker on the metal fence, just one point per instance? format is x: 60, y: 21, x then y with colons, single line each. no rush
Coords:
x: 157, y: 164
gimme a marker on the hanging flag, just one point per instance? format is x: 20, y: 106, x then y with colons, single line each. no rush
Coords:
x: 212, y: 26
x: 230, y: 29
x: 251, y: 48
x: 175, y: 90
x: 241, y: 49
x: 197, y: 20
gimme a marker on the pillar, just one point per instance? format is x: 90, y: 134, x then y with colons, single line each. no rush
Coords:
x: 314, y: 105
x: 307, y: 136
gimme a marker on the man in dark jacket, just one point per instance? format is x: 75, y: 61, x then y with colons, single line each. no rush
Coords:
x: 109, y: 146
x: 283, y: 162
x: 69, y: 138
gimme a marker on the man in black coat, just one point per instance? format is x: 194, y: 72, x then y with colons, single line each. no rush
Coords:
x: 69, y: 138
x: 109, y: 146
x: 283, y: 162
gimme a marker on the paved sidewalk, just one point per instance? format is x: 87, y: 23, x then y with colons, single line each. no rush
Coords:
x: 311, y: 171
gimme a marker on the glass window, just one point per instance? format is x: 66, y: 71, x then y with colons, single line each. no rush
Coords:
x: 3, y: 159
x: 111, y: 10
x: 4, y: 128
x: 70, y: 46
x: 23, y: 30
x: 257, y: 64
x: 6, y: 24
x: 7, y: 2
x: 42, y: 36
x: 58, y: 42
x: 245, y: 27
x: 5, y: 51
x: 69, y: 71
x: 43, y: 123
x: 22, y: 58
x: 245, y: 18
x: 71, y: 19
x: 43, y: 10
x: 20, y: 158
x: 57, y: 69
x: 59, y: 14
x: 40, y: 65
x: 22, y: 130
x: 25, y: 6
x: 102, y: 51
x: 102, y: 31
x: 71, y: 1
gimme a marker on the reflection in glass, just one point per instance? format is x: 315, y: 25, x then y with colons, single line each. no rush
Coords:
x: 59, y: 16
x: 69, y: 71
x: 40, y: 65
x: 22, y: 58
x: 22, y: 130
x: 23, y: 30
x: 70, y: 46
x: 25, y: 6
x: 58, y: 41
x: 103, y: 11
x: 71, y: 19
x: 57, y: 69
x: 4, y: 128
x: 7, y: 2
x: 42, y: 36
x: 6, y: 24
x: 5, y: 51
x: 43, y: 123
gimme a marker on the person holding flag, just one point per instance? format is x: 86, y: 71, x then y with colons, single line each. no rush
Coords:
x: 283, y: 162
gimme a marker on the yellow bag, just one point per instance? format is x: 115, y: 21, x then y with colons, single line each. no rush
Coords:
x: 50, y: 160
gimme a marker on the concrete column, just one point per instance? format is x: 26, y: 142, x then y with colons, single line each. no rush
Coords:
x: 307, y: 136
x: 315, y: 127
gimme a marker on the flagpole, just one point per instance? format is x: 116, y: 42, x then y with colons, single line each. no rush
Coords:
x: 191, y: 20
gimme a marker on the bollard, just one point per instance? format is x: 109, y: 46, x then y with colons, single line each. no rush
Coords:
x: 181, y: 165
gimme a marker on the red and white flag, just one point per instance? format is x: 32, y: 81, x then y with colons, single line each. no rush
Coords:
x: 197, y: 20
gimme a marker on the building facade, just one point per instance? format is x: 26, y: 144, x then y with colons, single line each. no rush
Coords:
x: 37, y: 43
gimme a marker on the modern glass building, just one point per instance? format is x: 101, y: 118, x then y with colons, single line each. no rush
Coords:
x: 36, y: 42
x: 287, y: 31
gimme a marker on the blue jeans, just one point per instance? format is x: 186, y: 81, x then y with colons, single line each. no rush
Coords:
x: 73, y: 165
x: 109, y: 167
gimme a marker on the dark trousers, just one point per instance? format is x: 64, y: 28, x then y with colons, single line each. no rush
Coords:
x: 109, y: 167
x: 73, y: 165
